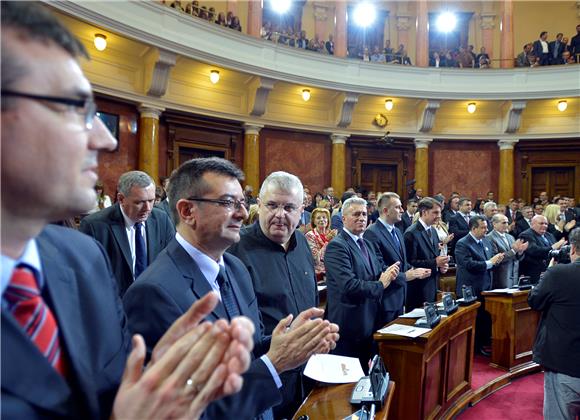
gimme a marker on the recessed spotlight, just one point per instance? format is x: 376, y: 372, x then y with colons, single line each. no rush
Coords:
x: 389, y: 104
x: 214, y: 76
x: 471, y: 107
x: 562, y: 106
x: 100, y: 42
x: 306, y: 95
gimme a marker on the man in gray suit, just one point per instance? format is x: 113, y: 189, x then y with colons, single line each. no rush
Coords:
x: 505, y: 274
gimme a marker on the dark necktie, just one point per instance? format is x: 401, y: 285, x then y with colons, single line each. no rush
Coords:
x: 140, y: 250
x: 466, y: 219
x: 480, y: 243
x: 228, y: 298
x: 34, y: 316
x: 396, y: 238
x: 545, y: 240
x: 364, y: 250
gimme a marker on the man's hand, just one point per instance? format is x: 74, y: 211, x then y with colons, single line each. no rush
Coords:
x: 291, y: 347
x: 497, y: 258
x: 389, y: 274
x: 520, y: 246
x: 329, y: 342
x: 559, y: 244
x: 441, y: 261
x: 448, y: 238
x: 570, y: 225
x: 417, y: 273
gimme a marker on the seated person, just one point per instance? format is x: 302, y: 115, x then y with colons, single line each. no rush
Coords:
x: 318, y: 238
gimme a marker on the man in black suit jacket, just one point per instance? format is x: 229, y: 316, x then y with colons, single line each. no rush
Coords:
x: 459, y: 224
x: 556, y: 48
x: 356, y: 282
x: 209, y: 201
x: 115, y: 227
x: 524, y: 222
x: 541, y: 49
x: 67, y: 274
x: 389, y: 247
x: 541, y: 242
x: 422, y: 246
x: 451, y: 209
x: 489, y: 210
x: 407, y: 216
x: 557, y: 296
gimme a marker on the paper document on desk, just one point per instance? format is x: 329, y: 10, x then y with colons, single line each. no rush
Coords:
x: 404, y: 330
x: 333, y: 369
x: 508, y: 291
x: 415, y: 313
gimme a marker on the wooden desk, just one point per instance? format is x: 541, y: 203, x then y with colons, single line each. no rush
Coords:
x: 431, y: 371
x: 332, y: 402
x: 513, y: 328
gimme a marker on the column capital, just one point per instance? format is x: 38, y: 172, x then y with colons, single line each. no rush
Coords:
x: 150, y: 111
x: 403, y: 21
x: 422, y: 143
x: 487, y: 20
x: 252, y: 129
x: 320, y: 11
x: 507, y: 143
x: 338, y: 138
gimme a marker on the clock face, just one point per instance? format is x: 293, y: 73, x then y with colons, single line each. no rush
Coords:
x: 381, y: 120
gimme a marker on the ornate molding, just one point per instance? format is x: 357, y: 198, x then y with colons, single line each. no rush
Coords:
x: 403, y: 22
x: 262, y: 86
x: 252, y: 129
x: 507, y: 143
x: 513, y: 116
x: 349, y: 100
x: 427, y: 119
x: 339, y: 138
x: 320, y: 11
x: 161, y: 71
x: 150, y: 111
x: 422, y: 143
x: 487, y: 20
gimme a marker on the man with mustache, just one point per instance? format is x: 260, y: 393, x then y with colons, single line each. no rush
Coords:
x: 132, y: 231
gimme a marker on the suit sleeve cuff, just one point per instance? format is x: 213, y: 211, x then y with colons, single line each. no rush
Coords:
x: 488, y: 265
x: 272, y: 370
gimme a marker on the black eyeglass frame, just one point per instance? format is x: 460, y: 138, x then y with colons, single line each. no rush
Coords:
x: 86, y: 104
x: 227, y: 203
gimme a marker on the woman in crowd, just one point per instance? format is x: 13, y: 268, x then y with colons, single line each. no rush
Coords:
x: 235, y: 25
x: 318, y: 238
x: 103, y: 200
x: 221, y: 19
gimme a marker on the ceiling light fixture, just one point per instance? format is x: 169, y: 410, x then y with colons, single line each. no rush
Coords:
x: 100, y: 42
x: 306, y: 95
x: 389, y: 104
x: 471, y: 107
x: 562, y: 106
x: 214, y: 76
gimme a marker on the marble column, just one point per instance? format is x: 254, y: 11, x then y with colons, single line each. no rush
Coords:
x: 338, y: 171
x: 487, y: 25
x: 340, y: 28
x: 403, y: 25
x: 252, y: 154
x: 422, y: 36
x: 254, y: 18
x: 506, y: 169
x: 149, y: 140
x: 507, y: 35
x: 422, y: 164
x: 320, y: 20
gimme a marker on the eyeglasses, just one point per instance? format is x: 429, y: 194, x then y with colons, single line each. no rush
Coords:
x: 288, y: 208
x: 85, y: 107
x: 226, y: 203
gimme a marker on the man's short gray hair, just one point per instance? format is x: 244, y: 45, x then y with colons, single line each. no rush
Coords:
x: 133, y: 179
x: 353, y: 201
x: 282, y: 181
x: 489, y: 205
x: 496, y: 218
x: 385, y: 199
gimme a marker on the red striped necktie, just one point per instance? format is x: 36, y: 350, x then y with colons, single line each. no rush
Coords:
x: 34, y: 316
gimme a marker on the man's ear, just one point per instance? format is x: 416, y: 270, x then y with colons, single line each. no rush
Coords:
x: 186, y: 211
x: 120, y: 197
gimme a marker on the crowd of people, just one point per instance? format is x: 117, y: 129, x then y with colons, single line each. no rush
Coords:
x: 560, y: 51
x: 464, y: 57
x: 227, y: 20
x: 296, y: 38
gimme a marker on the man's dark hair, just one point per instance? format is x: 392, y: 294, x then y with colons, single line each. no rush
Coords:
x: 543, y: 33
x: 411, y: 200
x: 346, y: 196
x: 463, y: 200
x: 187, y: 180
x: 474, y: 221
x: 428, y: 203
x: 33, y: 21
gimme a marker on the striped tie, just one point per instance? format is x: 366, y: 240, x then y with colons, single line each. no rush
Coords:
x: 35, y: 317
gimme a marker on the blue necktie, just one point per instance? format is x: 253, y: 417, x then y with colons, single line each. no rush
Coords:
x: 396, y: 238
x: 365, y: 252
x: 228, y: 298
x: 140, y: 250
x: 545, y: 240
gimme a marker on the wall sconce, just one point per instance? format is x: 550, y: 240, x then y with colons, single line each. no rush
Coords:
x: 100, y: 42
x: 562, y: 106
x: 306, y: 95
x: 214, y: 76
x: 471, y: 107
x: 389, y: 104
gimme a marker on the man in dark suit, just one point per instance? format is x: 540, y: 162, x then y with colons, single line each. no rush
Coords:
x: 451, y: 209
x: 557, y: 296
x: 357, y: 282
x: 524, y: 222
x: 422, y: 246
x: 475, y: 261
x: 336, y: 220
x: 459, y: 224
x: 209, y: 202
x: 407, y: 217
x: 541, y: 49
x: 71, y: 364
x: 489, y: 210
x: 541, y: 242
x: 388, y: 244
x: 556, y: 48
x: 132, y: 231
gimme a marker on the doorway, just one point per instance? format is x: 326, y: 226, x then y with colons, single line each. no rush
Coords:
x: 553, y: 180
x: 378, y: 177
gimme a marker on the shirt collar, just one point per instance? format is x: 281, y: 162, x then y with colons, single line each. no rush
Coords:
x: 474, y: 238
x: 385, y: 224
x: 30, y: 257
x: 207, y: 265
x: 352, y: 235
x: 128, y: 222
x: 423, y: 224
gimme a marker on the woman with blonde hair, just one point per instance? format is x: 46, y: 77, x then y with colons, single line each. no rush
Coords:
x: 318, y: 238
x: 555, y: 225
x: 252, y: 215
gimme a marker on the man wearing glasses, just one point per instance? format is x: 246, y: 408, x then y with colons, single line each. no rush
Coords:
x: 66, y: 351
x: 280, y: 262
x: 208, y: 204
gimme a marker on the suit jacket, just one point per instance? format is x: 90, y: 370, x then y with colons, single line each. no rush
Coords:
x: 81, y: 291
x: 471, y: 264
x: 108, y: 227
x: 405, y: 222
x: 168, y: 288
x: 388, y: 252
x: 421, y: 252
x: 505, y: 274
x: 336, y: 221
x: 164, y: 205
x: 459, y: 227
x: 305, y: 218
x: 354, y: 292
x: 448, y: 214
x: 559, y: 50
x: 521, y: 226
x: 536, y: 256
x: 537, y: 48
x: 557, y: 296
